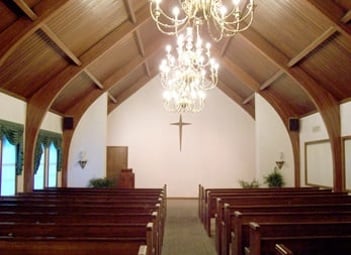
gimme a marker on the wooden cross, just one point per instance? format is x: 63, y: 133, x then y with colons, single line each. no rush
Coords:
x: 180, y: 124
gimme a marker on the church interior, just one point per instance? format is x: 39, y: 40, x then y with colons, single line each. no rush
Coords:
x: 127, y: 94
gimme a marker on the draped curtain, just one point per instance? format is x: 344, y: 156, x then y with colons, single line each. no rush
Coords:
x: 45, y: 138
x: 14, y: 134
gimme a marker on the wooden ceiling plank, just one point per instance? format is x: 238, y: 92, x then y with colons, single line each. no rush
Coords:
x: 13, y: 36
x: 236, y: 98
x: 60, y: 44
x: 26, y: 9
x: 272, y: 79
x: 225, y: 46
x: 130, y: 10
x: 94, y: 79
x: 147, y: 68
x: 346, y: 18
x: 312, y: 46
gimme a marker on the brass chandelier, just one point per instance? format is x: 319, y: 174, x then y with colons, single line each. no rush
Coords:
x: 187, y: 76
x: 222, y: 20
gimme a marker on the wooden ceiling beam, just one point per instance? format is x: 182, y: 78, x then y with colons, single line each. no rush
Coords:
x: 248, y: 99
x: 324, y: 101
x: 346, y: 18
x: 130, y: 10
x: 272, y: 79
x: 334, y: 13
x: 26, y: 9
x: 94, y: 79
x: 59, y: 43
x: 140, y: 43
x: 236, y: 98
x: 23, y: 28
x: 312, y: 46
x: 225, y: 46
x: 42, y: 100
x: 112, y: 98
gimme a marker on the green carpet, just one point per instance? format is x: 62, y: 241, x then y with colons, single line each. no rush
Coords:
x: 184, y: 233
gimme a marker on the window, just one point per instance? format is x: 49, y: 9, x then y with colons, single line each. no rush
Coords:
x: 8, y: 168
x: 46, y: 175
x: 47, y: 160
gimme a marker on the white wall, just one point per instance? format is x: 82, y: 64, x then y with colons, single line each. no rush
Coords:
x: 345, y: 112
x: 218, y: 146
x: 272, y: 143
x: 90, y: 137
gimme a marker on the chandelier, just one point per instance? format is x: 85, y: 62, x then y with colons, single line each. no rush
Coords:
x: 187, y: 76
x: 221, y: 20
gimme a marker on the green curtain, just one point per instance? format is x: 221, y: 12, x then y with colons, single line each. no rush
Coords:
x: 45, y: 138
x: 14, y: 134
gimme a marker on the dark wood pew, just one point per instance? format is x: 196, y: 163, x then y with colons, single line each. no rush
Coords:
x: 269, y: 199
x: 211, y: 202
x: 34, y: 245
x: 239, y: 229
x: 207, y: 194
x: 327, y: 238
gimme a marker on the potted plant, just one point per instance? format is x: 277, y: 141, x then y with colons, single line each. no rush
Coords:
x: 274, y: 179
x: 100, y: 183
x: 249, y: 185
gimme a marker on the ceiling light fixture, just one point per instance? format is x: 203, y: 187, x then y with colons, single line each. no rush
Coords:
x: 187, y: 76
x: 221, y: 20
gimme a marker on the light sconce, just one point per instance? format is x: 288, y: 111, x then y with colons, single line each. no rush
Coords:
x: 281, y: 161
x: 83, y: 159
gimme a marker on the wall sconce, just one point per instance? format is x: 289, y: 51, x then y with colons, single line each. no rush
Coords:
x: 280, y: 162
x: 83, y: 159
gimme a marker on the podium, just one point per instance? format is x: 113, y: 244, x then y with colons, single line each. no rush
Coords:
x: 126, y: 179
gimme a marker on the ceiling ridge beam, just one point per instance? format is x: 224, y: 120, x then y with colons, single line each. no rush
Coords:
x: 313, y: 45
x: 13, y: 36
x: 26, y: 9
x: 62, y: 46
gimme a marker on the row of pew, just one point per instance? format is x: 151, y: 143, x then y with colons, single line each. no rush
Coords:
x: 281, y: 221
x: 82, y: 221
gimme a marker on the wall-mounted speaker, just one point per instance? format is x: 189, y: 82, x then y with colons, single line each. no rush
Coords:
x: 67, y: 123
x: 294, y: 124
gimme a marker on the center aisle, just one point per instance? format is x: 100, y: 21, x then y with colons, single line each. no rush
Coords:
x: 184, y: 234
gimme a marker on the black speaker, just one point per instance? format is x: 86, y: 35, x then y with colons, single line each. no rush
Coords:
x: 294, y: 124
x: 67, y: 123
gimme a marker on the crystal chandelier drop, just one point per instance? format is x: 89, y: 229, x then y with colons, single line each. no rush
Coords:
x: 187, y: 76
x: 221, y: 20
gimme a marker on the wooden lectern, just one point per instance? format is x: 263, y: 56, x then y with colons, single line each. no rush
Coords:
x: 126, y: 179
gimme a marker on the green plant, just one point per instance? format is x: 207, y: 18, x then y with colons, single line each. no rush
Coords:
x: 249, y: 185
x: 274, y: 179
x: 100, y: 183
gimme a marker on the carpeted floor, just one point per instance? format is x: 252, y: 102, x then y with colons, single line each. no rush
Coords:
x: 184, y: 233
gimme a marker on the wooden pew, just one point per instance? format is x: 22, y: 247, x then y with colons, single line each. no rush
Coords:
x: 279, y: 199
x: 327, y: 238
x: 239, y: 229
x: 211, y: 202
x: 78, y: 246
x: 210, y: 194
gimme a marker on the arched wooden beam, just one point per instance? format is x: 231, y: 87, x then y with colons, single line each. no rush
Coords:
x: 42, y: 100
x: 285, y: 112
x: 23, y: 28
x: 326, y: 104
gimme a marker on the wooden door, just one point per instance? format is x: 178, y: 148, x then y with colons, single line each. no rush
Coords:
x: 117, y: 159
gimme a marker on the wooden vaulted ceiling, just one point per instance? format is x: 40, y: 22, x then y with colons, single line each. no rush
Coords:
x: 61, y: 55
